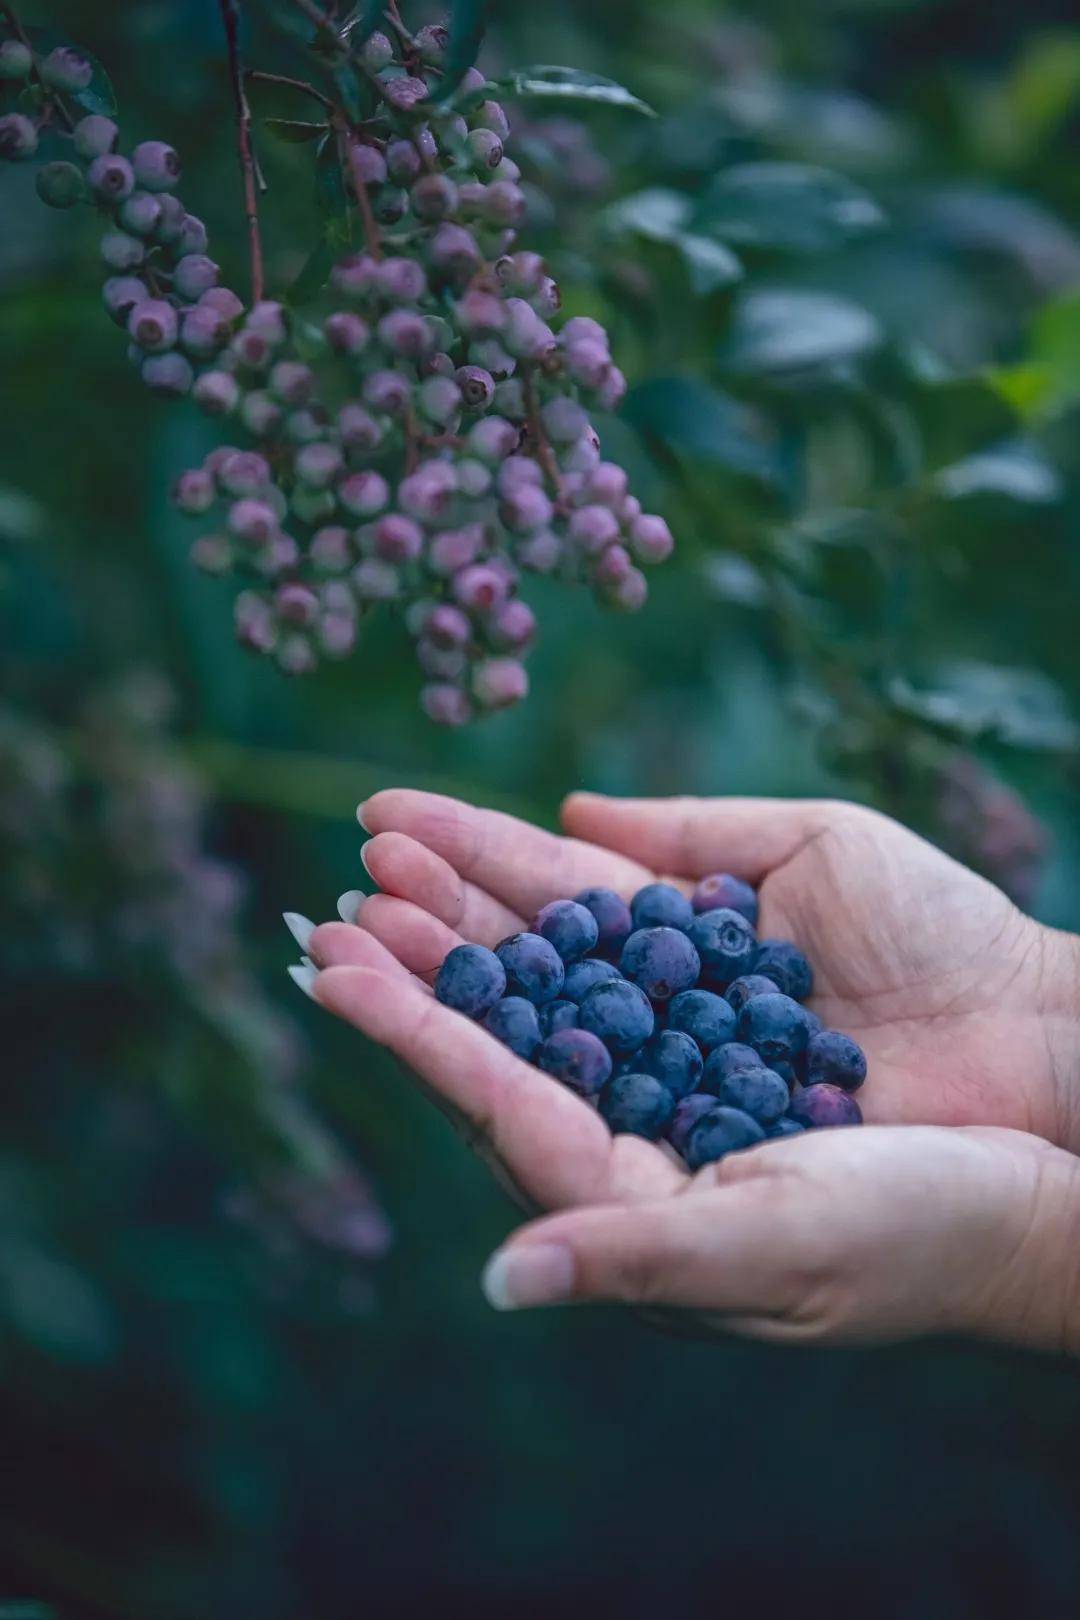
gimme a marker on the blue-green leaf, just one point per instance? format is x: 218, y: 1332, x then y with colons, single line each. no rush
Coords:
x: 293, y: 130
x: 658, y: 214
x: 313, y: 276
x: 784, y: 330
x: 571, y: 84
x: 794, y: 207
x: 695, y: 420
x: 468, y: 22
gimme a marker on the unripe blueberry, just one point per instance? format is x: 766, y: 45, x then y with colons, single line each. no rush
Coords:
x: 354, y: 276
x: 111, y: 178
x: 194, y: 275
x: 541, y: 553
x: 212, y: 553
x: 433, y: 197
x: 478, y: 312
x: 508, y: 170
x: 521, y: 273
x: 476, y: 387
x: 651, y: 540
x: 306, y: 424
x: 376, y: 581
x: 388, y: 392
x: 312, y: 505
x: 173, y: 215
x: 254, y: 619
x: 16, y: 60
x: 225, y: 301
x: 479, y: 588
x: 346, y: 333
x: 217, y: 458
x: 492, y: 115
x: 364, y: 494
x: 582, y: 457
x: 292, y: 382
x: 261, y: 415
x: 244, y: 472
x: 630, y: 593
x: 317, y: 465
x: 121, y: 251
x: 405, y: 93
x: 296, y: 604
x: 358, y: 428
x: 18, y: 137
x: 526, y: 509
x: 510, y: 399
x: 94, y: 136
x: 447, y: 626
x: 606, y: 485
x: 517, y: 471
x: 629, y: 510
x: 253, y: 521
x: 471, y: 194
x: 405, y: 334
x: 505, y: 203
x: 454, y: 250
x: 398, y: 539
x: 583, y: 329
x: 331, y: 549
x: 296, y: 656
x: 547, y: 299
x: 588, y: 362
x: 439, y: 400
x: 427, y: 493
x: 203, y: 332
x: 153, y: 326
x: 446, y: 705
x: 485, y: 149
x: 168, y: 374
x: 156, y: 165
x: 500, y: 682
x: 66, y: 69
x: 431, y: 42
x: 251, y: 351
x: 612, y: 390
x: 193, y: 237
x: 390, y: 205
x: 401, y: 280
x: 512, y: 626
x: 402, y: 162
x: 60, y: 185
x: 217, y: 393
x: 490, y: 356
x: 367, y: 166
x: 563, y: 420
x: 593, y: 528
x: 614, y: 566
x: 440, y: 663
x: 141, y: 213
x: 281, y: 555
x: 337, y: 634
x: 271, y: 320
x: 194, y: 492
x: 378, y: 51
x: 526, y: 335
x: 493, y: 439
x: 121, y: 294
x: 454, y: 549
x: 473, y: 478
x: 436, y: 365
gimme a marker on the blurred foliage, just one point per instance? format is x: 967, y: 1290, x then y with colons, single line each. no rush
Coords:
x: 841, y: 269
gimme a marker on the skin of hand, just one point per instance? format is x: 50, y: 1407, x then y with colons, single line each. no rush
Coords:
x: 969, y: 1013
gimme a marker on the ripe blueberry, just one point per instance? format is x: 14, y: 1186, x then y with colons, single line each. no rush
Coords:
x: 719, y: 1132
x: 739, y: 991
x: 758, y: 1092
x: 726, y: 944
x: 824, y: 1105
x: 637, y: 1105
x: 662, y: 961
x: 725, y: 1060
x: 659, y: 905
x: 556, y: 1015
x: 471, y: 980
x: 707, y: 1018
x: 785, y: 1127
x: 835, y: 1059
x: 722, y: 892
x: 513, y: 1021
x: 687, y: 1113
x: 156, y: 165
x: 571, y: 928
x: 582, y: 977
x: 780, y: 960
x: 578, y: 1059
x: 613, y: 919
x: 533, y: 967
x: 620, y: 1014
x: 775, y: 1026
x: 674, y: 1058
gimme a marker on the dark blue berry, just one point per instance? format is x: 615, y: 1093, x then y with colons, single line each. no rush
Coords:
x: 719, y: 1132
x: 775, y: 1026
x: 785, y: 1127
x: 726, y: 944
x: 513, y: 1021
x: 557, y: 1015
x: 835, y: 1059
x: 687, y: 1113
x: 612, y: 918
x: 780, y: 960
x: 722, y: 892
x: 471, y: 980
x: 725, y: 1060
x: 823, y: 1105
x: 674, y: 1059
x: 619, y: 1014
x: 707, y: 1018
x: 662, y: 961
x: 533, y: 966
x: 585, y: 976
x: 758, y: 1092
x: 659, y: 905
x: 577, y: 1058
x: 637, y: 1105
x: 751, y: 984
x: 571, y: 928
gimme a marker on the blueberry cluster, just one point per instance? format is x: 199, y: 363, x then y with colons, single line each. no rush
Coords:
x: 427, y: 442
x: 669, y: 1013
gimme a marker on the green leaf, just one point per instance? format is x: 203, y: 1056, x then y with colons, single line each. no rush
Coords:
x: 794, y: 207
x: 572, y: 85
x: 689, y: 417
x: 777, y: 331
x: 314, y: 275
x: 1015, y: 472
x: 711, y: 265
x: 658, y: 215
x: 468, y: 22
x: 293, y: 130
x: 99, y: 96
x: 362, y: 21
x: 1021, y: 708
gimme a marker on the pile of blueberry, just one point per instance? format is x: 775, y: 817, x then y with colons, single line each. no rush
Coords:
x: 423, y: 440
x: 669, y: 1013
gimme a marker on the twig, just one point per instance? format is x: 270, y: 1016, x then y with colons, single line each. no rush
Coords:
x: 293, y: 84
x: 230, y: 16
x: 319, y: 19
x: 347, y: 154
x: 541, y: 447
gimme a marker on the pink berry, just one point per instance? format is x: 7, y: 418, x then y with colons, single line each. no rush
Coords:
x: 500, y: 682
x: 364, y: 494
x: 153, y: 326
x: 156, y: 165
x: 446, y: 705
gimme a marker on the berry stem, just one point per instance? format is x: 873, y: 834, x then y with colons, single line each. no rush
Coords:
x: 257, y: 75
x: 347, y: 151
x: 230, y: 16
x: 540, y: 446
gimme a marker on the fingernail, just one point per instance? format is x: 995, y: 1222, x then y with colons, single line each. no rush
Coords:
x: 349, y: 904
x: 300, y: 927
x: 360, y: 816
x: 364, y: 859
x: 304, y: 977
x: 529, y: 1274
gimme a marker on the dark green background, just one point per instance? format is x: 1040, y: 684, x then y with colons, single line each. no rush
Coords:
x: 211, y: 1415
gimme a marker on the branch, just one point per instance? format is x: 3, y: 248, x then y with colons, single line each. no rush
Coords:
x: 347, y: 154
x: 230, y: 16
x: 541, y: 448
x: 318, y: 19
x: 260, y: 77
